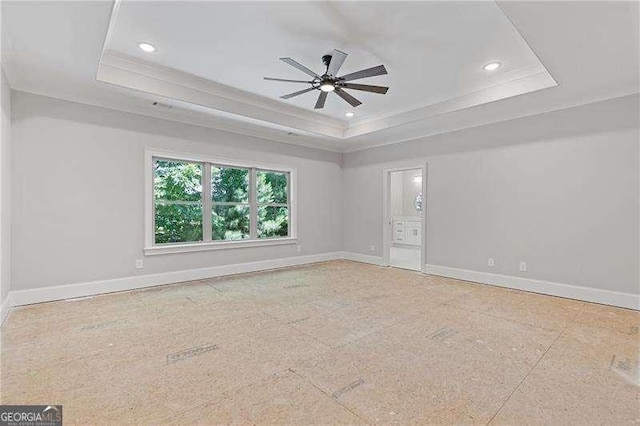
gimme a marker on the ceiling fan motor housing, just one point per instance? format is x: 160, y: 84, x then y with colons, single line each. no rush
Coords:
x: 326, y: 60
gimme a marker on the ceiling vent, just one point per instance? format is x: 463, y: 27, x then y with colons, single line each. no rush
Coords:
x: 161, y: 105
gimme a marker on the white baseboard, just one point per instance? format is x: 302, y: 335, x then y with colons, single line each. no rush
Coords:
x: 364, y: 258
x: 5, y: 307
x: 570, y: 291
x: 70, y: 291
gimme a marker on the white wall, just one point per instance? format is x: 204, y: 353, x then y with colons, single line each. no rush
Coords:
x: 5, y: 187
x: 558, y: 190
x: 78, y: 174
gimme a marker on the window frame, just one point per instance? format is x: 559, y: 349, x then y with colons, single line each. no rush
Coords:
x: 150, y: 246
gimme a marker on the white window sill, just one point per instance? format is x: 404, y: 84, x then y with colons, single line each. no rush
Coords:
x: 215, y: 245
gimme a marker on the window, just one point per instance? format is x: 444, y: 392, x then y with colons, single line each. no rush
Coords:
x: 177, y: 189
x: 273, y: 209
x: 231, y: 209
x: 202, y: 204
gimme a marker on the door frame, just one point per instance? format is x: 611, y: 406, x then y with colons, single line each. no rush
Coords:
x: 387, y: 220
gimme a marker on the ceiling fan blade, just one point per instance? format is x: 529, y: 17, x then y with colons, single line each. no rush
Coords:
x: 337, y: 59
x: 321, y: 99
x: 291, y: 95
x: 366, y: 88
x: 284, y: 79
x: 369, y: 72
x: 347, y: 97
x: 300, y: 67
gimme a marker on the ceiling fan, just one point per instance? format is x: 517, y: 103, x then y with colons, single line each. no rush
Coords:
x: 330, y: 82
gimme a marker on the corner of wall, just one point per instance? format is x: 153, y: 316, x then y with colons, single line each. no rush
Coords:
x: 5, y: 193
x: 5, y: 308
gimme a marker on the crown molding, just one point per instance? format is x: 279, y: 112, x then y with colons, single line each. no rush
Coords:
x: 523, y: 82
x: 132, y: 105
x: 172, y: 84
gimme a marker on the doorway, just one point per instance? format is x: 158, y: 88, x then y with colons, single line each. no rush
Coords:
x: 404, y: 218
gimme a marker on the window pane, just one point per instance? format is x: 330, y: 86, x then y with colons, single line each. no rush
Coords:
x: 272, y: 187
x: 178, y: 223
x: 273, y: 221
x: 177, y: 180
x: 230, y: 222
x: 229, y: 185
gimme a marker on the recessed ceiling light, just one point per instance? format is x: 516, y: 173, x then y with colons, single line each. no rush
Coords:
x: 492, y: 66
x: 349, y: 114
x: 147, y: 47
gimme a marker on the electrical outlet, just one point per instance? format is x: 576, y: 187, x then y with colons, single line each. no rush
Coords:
x: 491, y: 262
x: 299, y: 248
x: 139, y: 264
x: 372, y: 248
x: 523, y: 266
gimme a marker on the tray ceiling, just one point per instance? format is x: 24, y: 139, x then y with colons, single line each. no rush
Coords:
x: 434, y: 51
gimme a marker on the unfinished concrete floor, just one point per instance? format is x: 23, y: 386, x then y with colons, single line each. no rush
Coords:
x: 335, y: 342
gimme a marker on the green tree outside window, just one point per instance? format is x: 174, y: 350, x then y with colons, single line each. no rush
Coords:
x: 273, y: 210
x: 177, y: 193
x: 230, y: 198
x: 179, y: 202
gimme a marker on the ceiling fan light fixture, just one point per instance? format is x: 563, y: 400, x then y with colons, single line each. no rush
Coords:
x: 146, y: 47
x: 492, y: 66
x: 327, y: 87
